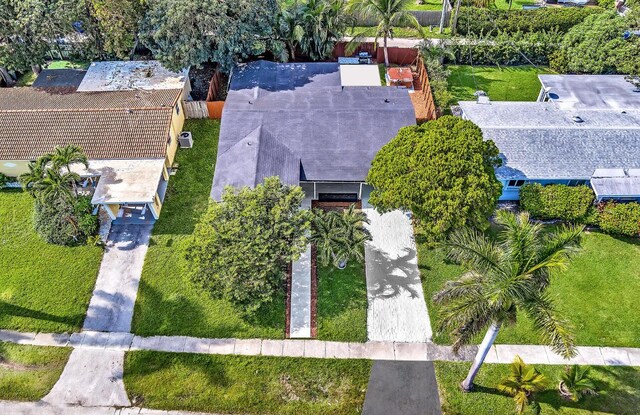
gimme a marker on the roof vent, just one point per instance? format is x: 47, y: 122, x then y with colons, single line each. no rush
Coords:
x: 577, y: 119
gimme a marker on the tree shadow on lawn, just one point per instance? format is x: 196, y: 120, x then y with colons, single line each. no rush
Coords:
x: 182, y: 316
x: 12, y: 310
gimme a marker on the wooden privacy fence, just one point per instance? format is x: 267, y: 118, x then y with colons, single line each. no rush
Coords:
x: 195, y: 109
x: 423, y: 97
x: 397, y: 55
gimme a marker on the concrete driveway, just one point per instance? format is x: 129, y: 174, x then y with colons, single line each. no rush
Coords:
x: 114, y: 296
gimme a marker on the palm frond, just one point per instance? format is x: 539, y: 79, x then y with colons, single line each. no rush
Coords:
x: 554, y: 331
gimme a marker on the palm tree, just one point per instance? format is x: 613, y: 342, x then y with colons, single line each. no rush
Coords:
x: 56, y: 185
x: 339, y: 236
x: 575, y: 383
x: 505, y: 276
x: 36, y: 173
x: 389, y: 14
x: 66, y: 156
x: 522, y: 383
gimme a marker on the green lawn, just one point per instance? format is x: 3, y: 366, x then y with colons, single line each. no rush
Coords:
x: 27, y: 373
x: 428, y: 5
x: 598, y: 293
x: 505, y: 83
x: 342, y: 303
x: 43, y: 287
x: 246, y: 384
x: 167, y: 302
x: 370, y: 31
x: 618, y: 391
x: 516, y: 5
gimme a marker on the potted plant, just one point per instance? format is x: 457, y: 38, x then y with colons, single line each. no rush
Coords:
x: 575, y: 383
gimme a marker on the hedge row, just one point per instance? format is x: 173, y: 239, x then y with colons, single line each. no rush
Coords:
x: 620, y: 218
x: 575, y: 204
x: 507, y: 49
x: 481, y: 21
x: 570, y: 203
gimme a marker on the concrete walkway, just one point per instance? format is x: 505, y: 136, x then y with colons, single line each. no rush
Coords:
x: 300, y: 312
x: 42, y: 408
x: 114, y: 296
x: 407, y: 388
x: 416, y: 351
x: 397, y: 310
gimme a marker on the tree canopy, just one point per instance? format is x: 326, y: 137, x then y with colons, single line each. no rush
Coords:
x: 597, y: 46
x: 242, y: 245
x: 442, y: 170
x: 183, y: 33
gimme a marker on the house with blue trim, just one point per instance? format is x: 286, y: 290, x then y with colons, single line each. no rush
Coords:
x: 583, y: 130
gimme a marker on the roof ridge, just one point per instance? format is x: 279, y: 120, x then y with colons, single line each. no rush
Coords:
x: 39, y: 110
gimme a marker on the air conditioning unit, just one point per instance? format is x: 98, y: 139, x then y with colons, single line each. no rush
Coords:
x: 186, y: 139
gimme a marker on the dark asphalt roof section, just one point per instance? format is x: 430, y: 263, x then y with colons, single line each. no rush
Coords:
x: 257, y: 156
x: 334, y: 131
x: 59, y: 79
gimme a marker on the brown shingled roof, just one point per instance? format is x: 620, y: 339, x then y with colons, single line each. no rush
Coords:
x: 107, y: 125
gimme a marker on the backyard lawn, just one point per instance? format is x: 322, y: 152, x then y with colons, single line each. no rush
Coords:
x: 403, y: 33
x: 598, y: 293
x: 505, y: 83
x: 167, y: 303
x: 618, y: 391
x: 27, y: 373
x: 342, y: 303
x: 516, y: 5
x: 427, y: 5
x: 246, y: 384
x: 43, y: 287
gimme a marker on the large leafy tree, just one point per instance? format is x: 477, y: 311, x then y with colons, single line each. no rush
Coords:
x: 442, y: 170
x: 505, y: 276
x: 313, y: 27
x: 597, y: 45
x: 183, y: 33
x: 118, y: 22
x: 242, y: 245
x: 389, y: 14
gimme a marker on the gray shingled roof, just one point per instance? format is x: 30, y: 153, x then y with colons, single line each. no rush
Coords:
x: 334, y: 131
x: 257, y: 156
x: 616, y: 186
x: 539, y: 140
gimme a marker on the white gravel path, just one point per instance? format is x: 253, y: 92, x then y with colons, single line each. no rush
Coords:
x: 397, y: 310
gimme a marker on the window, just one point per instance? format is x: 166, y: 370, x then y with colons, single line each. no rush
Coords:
x: 169, y: 139
x: 577, y: 182
x: 178, y: 108
x: 515, y: 183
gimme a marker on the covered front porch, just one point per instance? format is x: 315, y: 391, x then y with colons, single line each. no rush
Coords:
x: 130, y: 191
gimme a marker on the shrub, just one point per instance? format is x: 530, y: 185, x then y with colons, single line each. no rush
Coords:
x: 64, y: 222
x: 620, y: 218
x: 556, y: 201
x: 3, y: 180
x: 472, y: 20
x: 596, y: 46
x: 505, y: 48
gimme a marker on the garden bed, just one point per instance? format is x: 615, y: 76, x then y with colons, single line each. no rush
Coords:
x: 246, y: 384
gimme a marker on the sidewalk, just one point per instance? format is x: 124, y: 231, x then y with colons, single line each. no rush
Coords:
x: 40, y: 408
x: 373, y: 350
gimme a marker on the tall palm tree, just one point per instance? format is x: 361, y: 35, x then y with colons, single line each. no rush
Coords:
x: 505, y: 276
x: 522, y: 383
x: 56, y: 185
x: 389, y: 14
x: 66, y: 156
x: 339, y: 236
